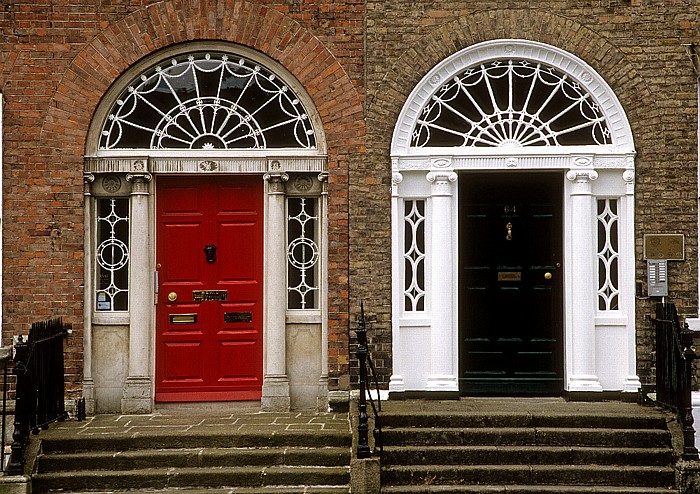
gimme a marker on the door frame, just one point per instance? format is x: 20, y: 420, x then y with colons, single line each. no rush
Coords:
x: 600, y: 344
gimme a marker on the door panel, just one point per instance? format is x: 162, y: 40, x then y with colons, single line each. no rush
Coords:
x: 511, y: 283
x: 209, y: 340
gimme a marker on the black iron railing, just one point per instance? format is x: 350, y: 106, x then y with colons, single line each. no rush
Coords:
x: 674, y: 372
x: 39, y: 386
x: 363, y: 447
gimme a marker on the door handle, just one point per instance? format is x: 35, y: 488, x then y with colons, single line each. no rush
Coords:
x: 548, y: 276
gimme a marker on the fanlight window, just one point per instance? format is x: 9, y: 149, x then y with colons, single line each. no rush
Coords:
x: 207, y: 101
x: 513, y: 103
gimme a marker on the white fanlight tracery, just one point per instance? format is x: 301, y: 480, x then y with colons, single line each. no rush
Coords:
x: 511, y: 103
x: 207, y: 101
x: 517, y: 105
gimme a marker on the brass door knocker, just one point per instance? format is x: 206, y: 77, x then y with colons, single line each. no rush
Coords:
x: 509, y: 228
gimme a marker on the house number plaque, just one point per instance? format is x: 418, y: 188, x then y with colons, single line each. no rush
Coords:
x: 209, y: 295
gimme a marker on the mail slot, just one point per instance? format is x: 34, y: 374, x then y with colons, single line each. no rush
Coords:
x: 183, y: 318
x: 509, y: 276
x: 209, y: 295
x: 238, y: 317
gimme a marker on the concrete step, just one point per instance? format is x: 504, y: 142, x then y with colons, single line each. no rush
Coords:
x: 522, y: 436
x: 193, y: 457
x: 522, y: 489
x: 537, y: 475
x: 534, y: 455
x: 70, y: 442
x: 170, y: 478
x: 325, y: 489
x: 517, y: 419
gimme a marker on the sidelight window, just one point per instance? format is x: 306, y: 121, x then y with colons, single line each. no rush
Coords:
x: 414, y: 255
x: 608, y: 255
x: 112, y: 255
x: 302, y: 253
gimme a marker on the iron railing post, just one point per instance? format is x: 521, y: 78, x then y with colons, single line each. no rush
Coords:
x: 363, y: 450
x: 20, y: 435
x: 685, y: 404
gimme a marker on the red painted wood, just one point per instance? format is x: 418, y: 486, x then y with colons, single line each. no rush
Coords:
x: 210, y: 360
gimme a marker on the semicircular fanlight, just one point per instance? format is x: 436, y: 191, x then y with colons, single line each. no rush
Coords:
x: 207, y: 101
x: 511, y: 103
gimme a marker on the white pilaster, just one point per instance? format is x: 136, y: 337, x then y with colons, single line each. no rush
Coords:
x: 138, y: 396
x: 396, y: 382
x: 275, y: 389
x: 582, y: 375
x: 627, y: 281
x: 443, y: 369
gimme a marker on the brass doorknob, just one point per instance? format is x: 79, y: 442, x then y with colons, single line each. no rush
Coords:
x: 172, y: 296
x: 548, y: 276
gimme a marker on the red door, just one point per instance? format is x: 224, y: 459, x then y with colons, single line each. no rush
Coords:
x: 210, y: 263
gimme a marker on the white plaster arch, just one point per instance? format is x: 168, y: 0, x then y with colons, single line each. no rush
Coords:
x: 623, y: 142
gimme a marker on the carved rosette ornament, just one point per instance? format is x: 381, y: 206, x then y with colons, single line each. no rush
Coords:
x: 441, y: 182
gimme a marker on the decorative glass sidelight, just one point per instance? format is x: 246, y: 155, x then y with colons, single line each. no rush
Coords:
x: 514, y: 103
x: 608, y: 255
x: 207, y: 101
x: 414, y: 255
x: 112, y: 255
x: 302, y: 253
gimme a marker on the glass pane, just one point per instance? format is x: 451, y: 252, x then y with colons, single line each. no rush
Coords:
x: 112, y: 255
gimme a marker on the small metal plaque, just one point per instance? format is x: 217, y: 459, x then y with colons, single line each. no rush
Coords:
x: 509, y: 276
x: 238, y: 317
x: 208, y: 295
x: 665, y: 246
x: 183, y: 318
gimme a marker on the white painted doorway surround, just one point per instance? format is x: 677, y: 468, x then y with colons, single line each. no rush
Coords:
x: 598, y: 206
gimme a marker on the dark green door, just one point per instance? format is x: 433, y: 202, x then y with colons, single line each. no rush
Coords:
x: 510, y: 293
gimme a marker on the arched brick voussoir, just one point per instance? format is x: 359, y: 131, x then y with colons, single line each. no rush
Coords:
x: 387, y: 98
x: 122, y: 44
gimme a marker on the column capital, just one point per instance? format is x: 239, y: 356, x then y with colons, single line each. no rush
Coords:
x: 323, y: 180
x: 581, y: 180
x: 139, y: 182
x: 275, y: 181
x: 396, y: 179
x: 441, y: 182
x: 88, y: 178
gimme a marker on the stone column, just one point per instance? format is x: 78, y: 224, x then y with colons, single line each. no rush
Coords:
x: 582, y: 375
x: 443, y: 372
x: 137, y: 396
x: 88, y: 297
x: 275, y: 389
x: 322, y: 400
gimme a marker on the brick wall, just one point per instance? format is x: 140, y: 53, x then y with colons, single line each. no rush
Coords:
x: 636, y: 46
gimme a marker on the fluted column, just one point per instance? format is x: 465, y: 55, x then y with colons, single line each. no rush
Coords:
x: 275, y: 389
x: 582, y: 375
x: 443, y: 371
x: 137, y: 396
